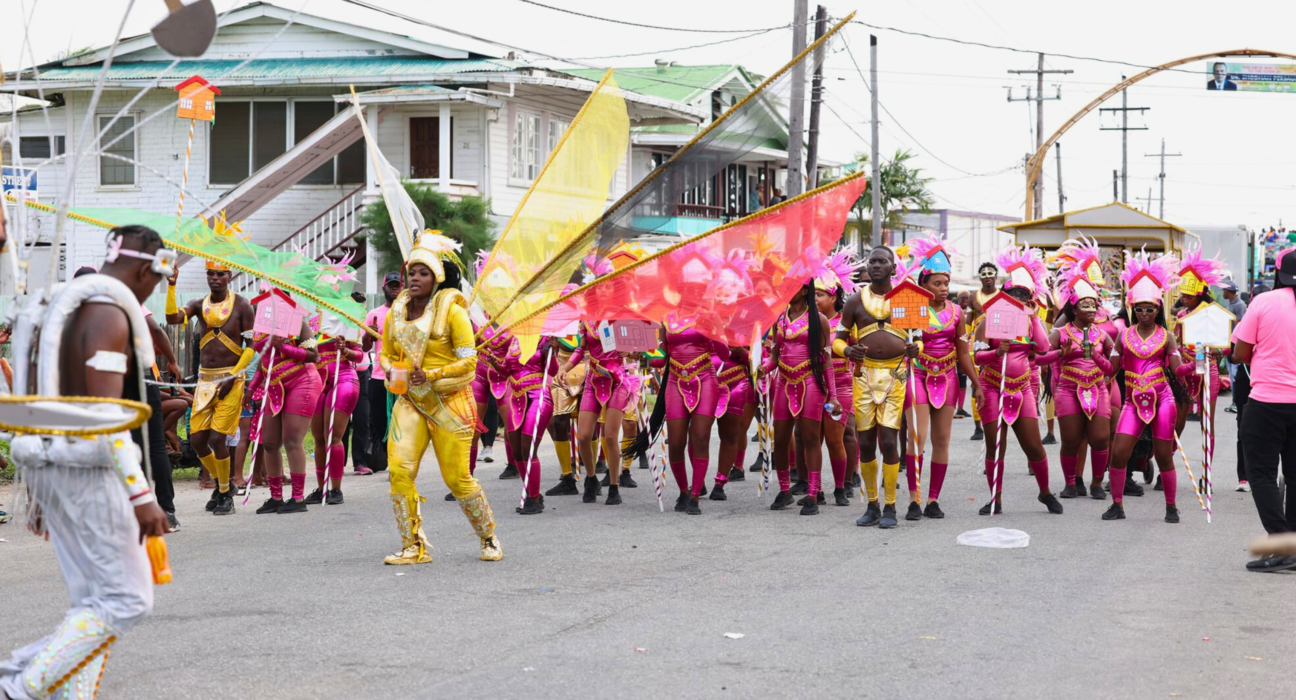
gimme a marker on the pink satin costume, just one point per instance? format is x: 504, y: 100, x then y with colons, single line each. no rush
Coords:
x: 1019, y: 398
x: 691, y: 384
x: 606, y: 384
x: 348, y: 382
x: 734, y: 380
x: 525, y: 396
x: 1148, y: 399
x: 292, y: 386
x: 492, y: 368
x: 936, y: 370
x: 796, y: 393
x: 1082, y: 384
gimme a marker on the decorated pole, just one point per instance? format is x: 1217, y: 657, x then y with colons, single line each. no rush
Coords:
x: 639, y: 420
x: 197, y: 103
x: 1188, y: 466
x: 328, y: 429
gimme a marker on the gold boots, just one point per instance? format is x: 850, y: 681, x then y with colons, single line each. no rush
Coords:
x: 478, y: 512
x: 409, y: 521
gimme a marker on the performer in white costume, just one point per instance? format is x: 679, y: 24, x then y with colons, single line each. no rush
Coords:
x: 89, y: 496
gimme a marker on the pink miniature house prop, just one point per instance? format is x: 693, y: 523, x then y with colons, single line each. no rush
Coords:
x: 1006, y: 318
x: 278, y: 315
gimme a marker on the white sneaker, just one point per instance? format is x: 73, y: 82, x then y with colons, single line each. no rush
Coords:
x: 1244, y: 487
x: 487, y: 455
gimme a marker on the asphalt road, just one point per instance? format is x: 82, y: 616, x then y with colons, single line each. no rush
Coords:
x: 599, y: 601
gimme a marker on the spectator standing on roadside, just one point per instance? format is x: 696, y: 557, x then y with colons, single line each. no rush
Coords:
x: 1238, y: 308
x: 376, y: 387
x: 1263, y: 341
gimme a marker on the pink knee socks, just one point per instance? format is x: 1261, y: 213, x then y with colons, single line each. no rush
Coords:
x: 1170, y: 483
x: 276, y: 487
x: 1118, y: 484
x: 937, y: 479
x: 1069, y: 469
x: 911, y: 472
x: 336, y: 462
x: 815, y: 480
x: 784, y: 479
x: 1040, y: 469
x: 681, y: 475
x: 1100, y: 465
x: 298, y: 485
x: 700, y: 465
x: 839, y: 472
x: 533, y: 477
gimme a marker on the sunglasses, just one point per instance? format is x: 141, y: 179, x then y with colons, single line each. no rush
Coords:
x: 1145, y: 310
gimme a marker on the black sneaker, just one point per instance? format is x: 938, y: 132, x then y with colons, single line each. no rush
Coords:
x: 839, y: 497
x: 591, y: 489
x: 872, y: 514
x: 1131, y: 488
x: 888, y: 520
x: 566, y: 487
x: 781, y: 501
x: 173, y: 525
x: 626, y: 481
x: 510, y: 472
x: 643, y: 461
x: 1068, y: 492
x: 601, y: 467
x: 1158, y: 486
x: 449, y: 498
x: 272, y: 505
x: 614, y: 496
x: 985, y: 509
x: 532, y: 505
x: 933, y: 511
x: 681, y: 503
x: 1172, y: 514
x: 604, y: 481
x: 215, y: 498
x: 1049, y: 439
x: 978, y: 434
x: 703, y: 492
x: 334, y: 497
x: 692, y: 507
x: 962, y: 414
x: 736, y: 474
x: 800, y: 488
x: 314, y: 498
x: 915, y: 512
x: 1149, y: 471
x: 759, y: 464
x: 810, y: 506
x: 1052, y: 503
x: 1115, y: 512
x: 857, y: 481
x: 1081, y: 491
x: 1097, y: 492
x: 292, y: 505
x: 1271, y: 563
x: 718, y: 493
x: 225, y: 505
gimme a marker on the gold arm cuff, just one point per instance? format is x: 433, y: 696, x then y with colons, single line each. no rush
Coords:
x: 839, y: 347
x: 171, y: 307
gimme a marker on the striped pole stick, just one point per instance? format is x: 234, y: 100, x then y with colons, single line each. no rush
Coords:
x: 340, y: 342
x: 1207, y: 437
x: 642, y: 423
x: 1187, y: 465
x: 184, y: 179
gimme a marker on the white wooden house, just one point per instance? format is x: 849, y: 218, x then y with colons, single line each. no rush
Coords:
x: 282, y: 156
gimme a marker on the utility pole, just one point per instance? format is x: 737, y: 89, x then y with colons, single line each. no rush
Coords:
x: 816, y: 97
x: 1057, y: 148
x: 1147, y: 202
x: 875, y: 184
x: 796, y: 117
x: 1115, y: 185
x: 1161, y: 176
x: 1039, y: 119
x: 1124, y: 128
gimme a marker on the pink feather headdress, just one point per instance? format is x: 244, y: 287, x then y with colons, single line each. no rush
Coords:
x: 1147, y: 278
x: 1080, y: 274
x: 595, y: 267
x: 839, y: 271
x: 1024, y: 267
x: 904, y: 267
x: 733, y: 280
x: 1197, y: 273
x: 696, y: 264
x: 935, y: 255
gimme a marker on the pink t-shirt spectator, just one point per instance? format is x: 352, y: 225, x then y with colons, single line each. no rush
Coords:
x: 377, y: 318
x: 1268, y: 326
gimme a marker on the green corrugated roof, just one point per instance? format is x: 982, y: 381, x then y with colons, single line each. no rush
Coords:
x: 678, y: 83
x: 282, y: 69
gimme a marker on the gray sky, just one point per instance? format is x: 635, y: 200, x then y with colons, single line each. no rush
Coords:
x: 949, y: 98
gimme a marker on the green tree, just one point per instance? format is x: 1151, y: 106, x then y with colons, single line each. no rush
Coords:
x: 904, y: 189
x: 466, y: 221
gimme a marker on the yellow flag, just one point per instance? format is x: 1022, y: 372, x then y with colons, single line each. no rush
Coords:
x: 567, y: 195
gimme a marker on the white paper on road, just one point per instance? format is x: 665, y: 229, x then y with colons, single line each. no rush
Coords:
x: 735, y: 635
x: 995, y: 538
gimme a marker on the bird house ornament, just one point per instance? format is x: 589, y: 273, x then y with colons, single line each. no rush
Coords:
x: 1209, y: 325
x: 909, y: 306
x: 277, y: 314
x: 197, y: 99
x: 1006, y: 318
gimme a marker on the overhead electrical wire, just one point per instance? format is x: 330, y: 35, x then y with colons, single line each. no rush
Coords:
x: 649, y: 26
x: 681, y: 48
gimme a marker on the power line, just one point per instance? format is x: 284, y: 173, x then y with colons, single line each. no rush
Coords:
x: 649, y: 26
x: 1014, y: 49
x: 682, y: 48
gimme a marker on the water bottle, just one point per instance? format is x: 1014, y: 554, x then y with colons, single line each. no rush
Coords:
x: 1201, y: 360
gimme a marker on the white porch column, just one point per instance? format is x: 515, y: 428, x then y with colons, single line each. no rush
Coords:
x: 444, y: 144
x: 371, y: 177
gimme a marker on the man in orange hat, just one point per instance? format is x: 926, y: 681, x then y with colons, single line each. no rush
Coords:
x: 225, y: 350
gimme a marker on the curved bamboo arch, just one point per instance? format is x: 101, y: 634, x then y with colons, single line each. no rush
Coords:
x: 1037, y: 160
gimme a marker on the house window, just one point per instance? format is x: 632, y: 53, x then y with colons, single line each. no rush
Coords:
x: 39, y: 146
x: 527, y: 145
x: 115, y: 172
x: 557, y: 128
x: 247, y: 136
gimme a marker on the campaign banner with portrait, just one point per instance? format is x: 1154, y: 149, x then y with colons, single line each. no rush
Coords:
x: 1251, y: 77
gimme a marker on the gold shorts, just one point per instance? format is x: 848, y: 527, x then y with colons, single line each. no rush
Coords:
x: 211, y: 413
x: 564, y: 403
x: 879, y: 394
x: 631, y: 415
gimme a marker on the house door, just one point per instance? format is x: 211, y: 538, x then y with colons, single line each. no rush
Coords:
x: 425, y: 147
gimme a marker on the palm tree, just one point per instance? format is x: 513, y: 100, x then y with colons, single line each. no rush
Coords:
x: 904, y: 189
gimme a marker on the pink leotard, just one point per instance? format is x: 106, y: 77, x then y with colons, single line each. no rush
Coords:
x: 1113, y: 327
x: 492, y: 368
x: 1019, y: 399
x: 607, y: 384
x: 526, y: 395
x: 1148, y: 399
x: 1082, y: 384
x: 348, y: 382
x: 734, y: 380
x: 292, y: 386
x: 691, y: 385
x: 796, y: 393
x: 936, y: 370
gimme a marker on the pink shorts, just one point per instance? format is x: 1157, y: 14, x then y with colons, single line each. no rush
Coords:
x: 708, y: 390
x: 621, y: 399
x: 990, y: 409
x: 348, y: 392
x: 1163, y: 423
x: 302, y: 392
x: 922, y: 392
x: 812, y: 406
x: 1066, y: 400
